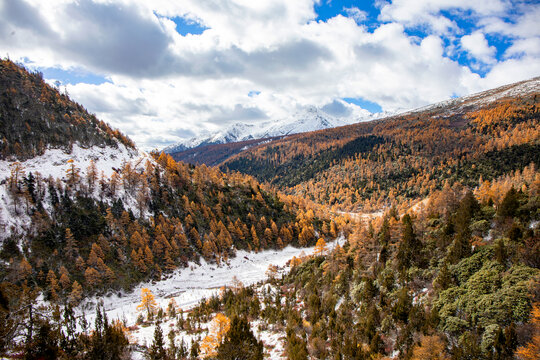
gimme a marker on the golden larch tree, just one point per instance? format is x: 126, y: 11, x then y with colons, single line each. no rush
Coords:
x: 218, y: 328
x: 531, y: 350
x: 320, y: 247
x: 148, y: 302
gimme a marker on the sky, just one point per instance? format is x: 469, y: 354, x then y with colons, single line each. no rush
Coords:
x: 162, y: 71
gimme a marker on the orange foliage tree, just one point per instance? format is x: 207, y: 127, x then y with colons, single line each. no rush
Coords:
x: 218, y: 328
x: 320, y: 247
x: 148, y: 302
x: 531, y: 351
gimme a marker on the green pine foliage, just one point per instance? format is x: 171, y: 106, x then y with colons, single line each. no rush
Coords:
x: 344, y: 305
x: 240, y: 343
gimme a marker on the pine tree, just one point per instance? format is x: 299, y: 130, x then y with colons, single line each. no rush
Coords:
x: 240, y: 343
x: 509, y: 205
x: 157, y: 350
x: 410, y: 248
x: 195, y: 349
x: 296, y: 347
x: 444, y: 278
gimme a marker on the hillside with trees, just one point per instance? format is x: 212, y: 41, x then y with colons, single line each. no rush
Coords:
x: 86, y: 233
x: 369, y: 166
x: 35, y: 117
x: 456, y: 276
x: 457, y: 280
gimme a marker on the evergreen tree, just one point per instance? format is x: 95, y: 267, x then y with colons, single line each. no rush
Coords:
x: 157, y: 350
x: 45, y: 344
x: 240, y: 343
x: 510, y: 204
x: 409, y: 252
x: 296, y: 347
x: 195, y: 349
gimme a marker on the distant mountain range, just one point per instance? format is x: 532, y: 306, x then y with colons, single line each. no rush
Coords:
x: 309, y: 119
x: 241, y: 138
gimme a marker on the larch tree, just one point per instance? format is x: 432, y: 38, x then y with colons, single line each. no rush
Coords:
x: 72, y: 173
x: 430, y: 348
x: 148, y: 302
x: 218, y: 328
x: 72, y: 249
x: 76, y: 293
x: 531, y: 350
x: 320, y: 247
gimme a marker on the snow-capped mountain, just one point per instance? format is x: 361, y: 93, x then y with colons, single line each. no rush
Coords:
x: 458, y: 105
x: 313, y: 118
x: 309, y: 119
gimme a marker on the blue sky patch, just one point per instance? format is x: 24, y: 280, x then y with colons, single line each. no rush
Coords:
x: 186, y: 26
x: 364, y: 104
x: 73, y: 77
x: 328, y: 9
x: 253, y: 93
x: 465, y: 20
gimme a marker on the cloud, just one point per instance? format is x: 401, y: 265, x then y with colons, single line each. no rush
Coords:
x: 429, y: 13
x: 337, y: 108
x: 478, y: 47
x: 355, y: 13
x: 237, y: 113
x: 163, y: 86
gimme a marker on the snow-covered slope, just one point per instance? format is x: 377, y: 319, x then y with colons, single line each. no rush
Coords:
x: 188, y: 286
x: 54, y: 163
x: 457, y: 105
x: 308, y: 119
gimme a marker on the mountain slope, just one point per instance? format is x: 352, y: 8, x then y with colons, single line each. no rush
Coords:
x: 35, y: 117
x: 308, y: 119
x: 107, y: 216
x: 403, y: 158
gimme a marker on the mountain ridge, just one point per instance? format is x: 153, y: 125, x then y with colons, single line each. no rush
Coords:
x: 218, y: 153
x: 308, y: 119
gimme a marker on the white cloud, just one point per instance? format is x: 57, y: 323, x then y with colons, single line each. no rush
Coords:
x: 355, y: 13
x: 478, y: 47
x: 165, y: 86
x: 520, y: 47
x: 428, y: 12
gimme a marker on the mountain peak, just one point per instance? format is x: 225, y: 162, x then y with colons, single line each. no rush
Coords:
x: 309, y: 118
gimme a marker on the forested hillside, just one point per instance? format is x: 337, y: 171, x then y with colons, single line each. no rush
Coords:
x: 86, y: 233
x: 213, y: 155
x: 456, y: 276
x: 368, y: 166
x: 457, y: 280
x: 35, y: 117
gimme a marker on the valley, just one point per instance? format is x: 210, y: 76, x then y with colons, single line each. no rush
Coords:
x: 389, y: 238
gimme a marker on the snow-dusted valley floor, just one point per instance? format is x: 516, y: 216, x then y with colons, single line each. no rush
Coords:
x: 188, y: 286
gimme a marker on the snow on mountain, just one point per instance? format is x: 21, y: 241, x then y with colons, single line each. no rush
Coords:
x: 313, y: 118
x: 188, y: 286
x: 54, y: 163
x: 483, y: 98
x: 305, y: 120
